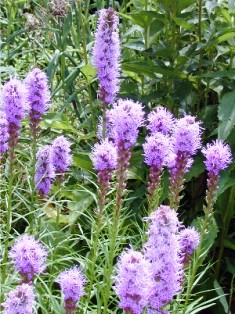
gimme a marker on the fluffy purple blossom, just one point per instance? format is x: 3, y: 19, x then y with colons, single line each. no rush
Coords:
x: 189, y: 239
x: 4, y: 135
x: 29, y: 257
x: 71, y: 282
x: 162, y: 251
x: 14, y: 101
x: 38, y: 94
x: 106, y: 55
x: 104, y: 156
x: 125, y: 118
x: 218, y: 156
x: 20, y: 300
x: 132, y: 281
x: 156, y: 150
x: 160, y: 120
x: 186, y: 137
x: 44, y: 170
x: 61, y: 154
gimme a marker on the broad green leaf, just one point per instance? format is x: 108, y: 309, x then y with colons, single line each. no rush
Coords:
x: 149, y: 69
x: 177, y: 6
x: 135, y: 44
x: 221, y: 294
x: 226, y: 115
x: 89, y: 72
x: 142, y: 18
x: 183, y: 23
x: 82, y: 160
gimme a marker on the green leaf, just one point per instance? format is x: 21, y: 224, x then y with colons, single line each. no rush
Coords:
x: 229, y: 244
x: 89, y: 71
x: 209, y: 237
x: 177, y: 6
x: 149, y: 69
x: 82, y: 160
x: 183, y: 23
x: 135, y: 44
x: 226, y: 115
x: 143, y: 18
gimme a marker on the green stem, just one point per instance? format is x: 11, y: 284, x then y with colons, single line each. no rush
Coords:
x: 196, y: 263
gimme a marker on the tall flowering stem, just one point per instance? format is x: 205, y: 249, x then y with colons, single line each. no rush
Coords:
x: 218, y: 157
x: 124, y: 120
x: 104, y: 158
x: 15, y: 107
x: 156, y: 150
x: 186, y: 140
x: 38, y: 97
x: 162, y: 251
x: 106, y: 56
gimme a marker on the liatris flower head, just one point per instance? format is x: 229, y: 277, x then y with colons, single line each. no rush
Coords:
x: 61, y: 154
x: 157, y: 150
x: 29, y: 257
x: 132, y: 281
x: 38, y: 94
x: 162, y: 251
x: 186, y: 137
x: 104, y: 156
x: 20, y: 300
x: 14, y: 101
x: 125, y: 118
x: 160, y: 120
x: 106, y: 55
x: 44, y: 170
x: 4, y: 135
x: 189, y: 239
x: 71, y: 282
x: 218, y: 156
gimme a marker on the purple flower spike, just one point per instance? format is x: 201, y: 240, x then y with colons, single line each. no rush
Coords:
x: 44, y: 170
x: 160, y: 120
x: 14, y: 101
x: 104, y: 156
x: 106, y: 55
x: 189, y: 240
x: 186, y: 140
x: 132, y: 281
x: 38, y: 94
x: 20, y: 300
x: 4, y: 135
x: 71, y: 282
x: 29, y: 257
x: 156, y: 150
x: 162, y: 251
x: 125, y: 118
x: 186, y: 136
x: 15, y: 107
x: 61, y: 154
x: 218, y: 156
